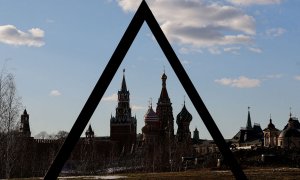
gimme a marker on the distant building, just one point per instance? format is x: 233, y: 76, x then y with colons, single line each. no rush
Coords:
x: 290, y: 135
x: 271, y: 135
x: 248, y: 136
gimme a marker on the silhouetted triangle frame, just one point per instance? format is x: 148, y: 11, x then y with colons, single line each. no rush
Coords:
x: 143, y: 14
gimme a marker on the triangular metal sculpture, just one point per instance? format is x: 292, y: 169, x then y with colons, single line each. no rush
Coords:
x: 143, y: 14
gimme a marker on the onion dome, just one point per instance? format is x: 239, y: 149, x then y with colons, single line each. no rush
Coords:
x: 184, y: 116
x: 151, y: 116
x: 164, y: 76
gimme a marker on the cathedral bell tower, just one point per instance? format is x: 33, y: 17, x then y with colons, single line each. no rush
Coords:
x: 164, y: 110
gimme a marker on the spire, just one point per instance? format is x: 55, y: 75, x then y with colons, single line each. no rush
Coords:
x: 184, y: 101
x: 164, y: 79
x: 123, y: 87
x: 89, y: 133
x: 271, y: 126
x: 164, y: 93
x: 290, y: 112
x: 90, y: 128
x: 249, y: 125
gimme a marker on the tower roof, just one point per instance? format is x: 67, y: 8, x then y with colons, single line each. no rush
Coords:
x: 184, y: 115
x: 271, y: 125
x: 25, y: 112
x: 249, y: 125
x: 123, y: 86
x: 89, y: 131
x: 151, y: 115
x: 164, y: 93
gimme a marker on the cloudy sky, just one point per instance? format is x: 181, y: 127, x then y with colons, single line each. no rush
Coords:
x: 238, y: 53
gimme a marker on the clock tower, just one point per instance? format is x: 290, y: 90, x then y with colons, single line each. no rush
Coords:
x: 123, y: 124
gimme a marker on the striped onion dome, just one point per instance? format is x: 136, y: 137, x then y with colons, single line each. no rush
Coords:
x: 151, y: 115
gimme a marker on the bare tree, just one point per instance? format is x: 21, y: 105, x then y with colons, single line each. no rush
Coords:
x: 9, y: 112
x: 61, y: 135
x: 42, y: 135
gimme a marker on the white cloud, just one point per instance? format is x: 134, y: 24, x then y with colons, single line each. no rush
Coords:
x: 275, y: 32
x: 9, y: 34
x: 50, y: 21
x: 233, y: 50
x: 256, y: 50
x: 185, y: 62
x: 297, y: 78
x: 192, y: 23
x: 55, y: 93
x: 137, y: 107
x: 254, y: 2
x: 113, y: 97
x: 241, y: 82
x: 185, y: 50
x: 214, y: 50
x: 274, y: 76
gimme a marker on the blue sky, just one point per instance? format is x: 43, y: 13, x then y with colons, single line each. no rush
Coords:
x: 236, y: 54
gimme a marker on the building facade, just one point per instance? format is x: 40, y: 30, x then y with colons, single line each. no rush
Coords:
x: 271, y: 135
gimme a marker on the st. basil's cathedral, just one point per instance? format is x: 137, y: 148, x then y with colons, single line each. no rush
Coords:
x: 158, y: 140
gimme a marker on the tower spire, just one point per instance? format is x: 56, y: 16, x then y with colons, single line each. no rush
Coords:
x: 249, y: 125
x: 164, y: 93
x: 123, y: 86
x: 150, y: 103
